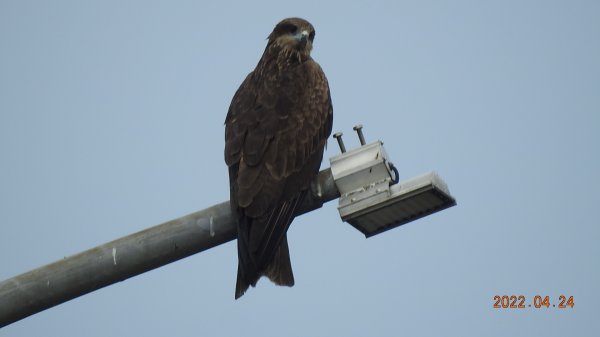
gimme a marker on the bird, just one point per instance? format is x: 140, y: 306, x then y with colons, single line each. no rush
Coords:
x: 276, y: 131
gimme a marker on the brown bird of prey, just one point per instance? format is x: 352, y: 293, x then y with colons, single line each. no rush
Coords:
x: 275, y: 134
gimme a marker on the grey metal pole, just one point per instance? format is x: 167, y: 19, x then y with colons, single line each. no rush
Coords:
x: 118, y: 260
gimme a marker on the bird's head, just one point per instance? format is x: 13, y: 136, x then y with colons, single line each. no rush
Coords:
x: 294, y: 37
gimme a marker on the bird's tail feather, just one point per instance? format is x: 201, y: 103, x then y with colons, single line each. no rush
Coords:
x: 241, y: 285
x: 279, y: 270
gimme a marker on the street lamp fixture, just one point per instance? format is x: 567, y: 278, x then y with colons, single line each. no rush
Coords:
x: 372, y: 199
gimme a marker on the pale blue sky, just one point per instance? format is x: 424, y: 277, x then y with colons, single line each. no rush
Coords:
x: 111, y: 121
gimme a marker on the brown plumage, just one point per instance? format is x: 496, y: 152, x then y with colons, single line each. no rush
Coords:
x: 275, y: 133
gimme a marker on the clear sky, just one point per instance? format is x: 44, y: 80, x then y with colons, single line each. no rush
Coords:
x: 111, y: 121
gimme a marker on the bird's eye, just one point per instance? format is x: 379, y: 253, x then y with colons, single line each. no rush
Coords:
x: 312, y: 35
x: 293, y: 29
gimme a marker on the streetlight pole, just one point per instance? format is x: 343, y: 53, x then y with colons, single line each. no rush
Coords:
x: 118, y: 260
x: 371, y: 199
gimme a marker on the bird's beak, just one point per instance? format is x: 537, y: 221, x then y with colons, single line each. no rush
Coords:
x: 302, y: 38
